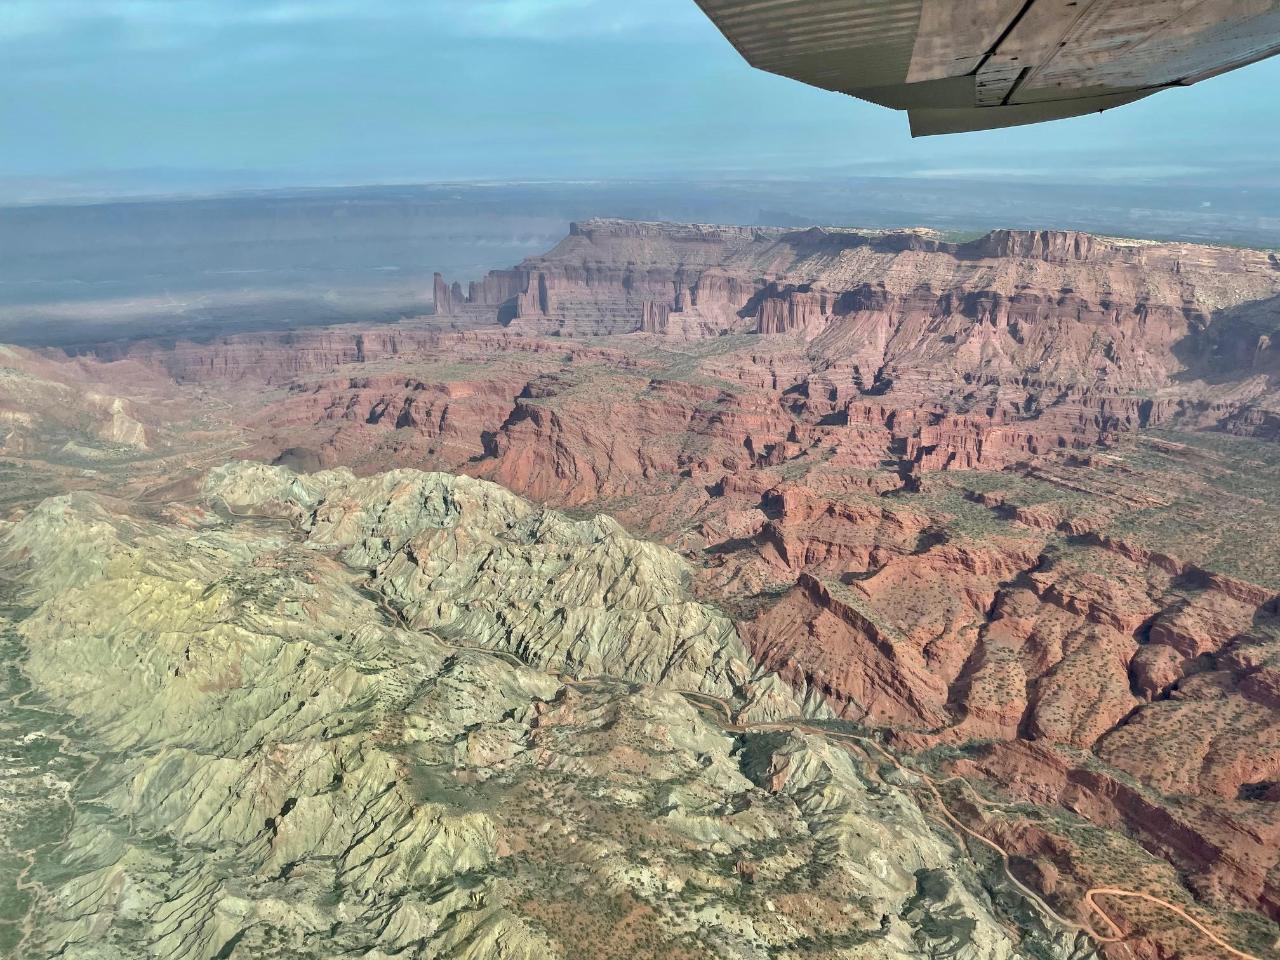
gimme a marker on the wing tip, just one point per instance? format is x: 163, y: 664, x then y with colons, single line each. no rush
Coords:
x: 938, y: 121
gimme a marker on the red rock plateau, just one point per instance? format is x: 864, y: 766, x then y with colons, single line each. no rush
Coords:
x: 1011, y: 501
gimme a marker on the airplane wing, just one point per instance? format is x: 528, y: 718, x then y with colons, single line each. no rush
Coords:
x: 958, y: 65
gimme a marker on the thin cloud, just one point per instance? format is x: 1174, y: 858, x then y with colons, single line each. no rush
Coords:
x: 194, y: 19
x: 542, y: 19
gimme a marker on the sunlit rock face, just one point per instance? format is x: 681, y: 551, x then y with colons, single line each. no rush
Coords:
x: 882, y: 345
x: 324, y: 715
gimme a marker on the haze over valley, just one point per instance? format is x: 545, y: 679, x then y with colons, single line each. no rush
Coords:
x: 79, y: 273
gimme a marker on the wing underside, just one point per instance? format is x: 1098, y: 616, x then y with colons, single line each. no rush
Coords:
x: 957, y: 65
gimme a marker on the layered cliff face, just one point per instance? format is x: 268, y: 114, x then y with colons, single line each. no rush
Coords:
x: 1087, y: 335
x: 614, y: 276
x: 941, y: 355
x: 611, y: 276
x: 371, y: 730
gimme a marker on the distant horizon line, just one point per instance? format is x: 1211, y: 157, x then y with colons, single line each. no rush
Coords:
x: 68, y: 195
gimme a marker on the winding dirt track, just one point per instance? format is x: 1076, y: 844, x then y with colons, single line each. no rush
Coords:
x: 864, y: 745
x: 1117, y: 934
x: 1172, y: 908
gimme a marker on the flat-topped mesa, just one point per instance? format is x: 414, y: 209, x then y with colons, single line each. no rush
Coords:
x: 1061, y: 246
x: 617, y: 276
x: 691, y: 280
x: 694, y: 280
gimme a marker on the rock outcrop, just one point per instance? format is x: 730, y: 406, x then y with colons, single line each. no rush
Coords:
x: 473, y: 564
x: 269, y: 761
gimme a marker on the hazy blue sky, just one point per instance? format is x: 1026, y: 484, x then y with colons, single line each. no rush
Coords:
x: 304, y: 91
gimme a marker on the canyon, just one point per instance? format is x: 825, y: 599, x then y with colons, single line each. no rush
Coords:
x: 1002, y: 506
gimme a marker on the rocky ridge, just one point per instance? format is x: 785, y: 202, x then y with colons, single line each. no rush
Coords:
x: 272, y: 763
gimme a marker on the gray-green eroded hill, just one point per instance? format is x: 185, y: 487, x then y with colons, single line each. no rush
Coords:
x: 419, y: 717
